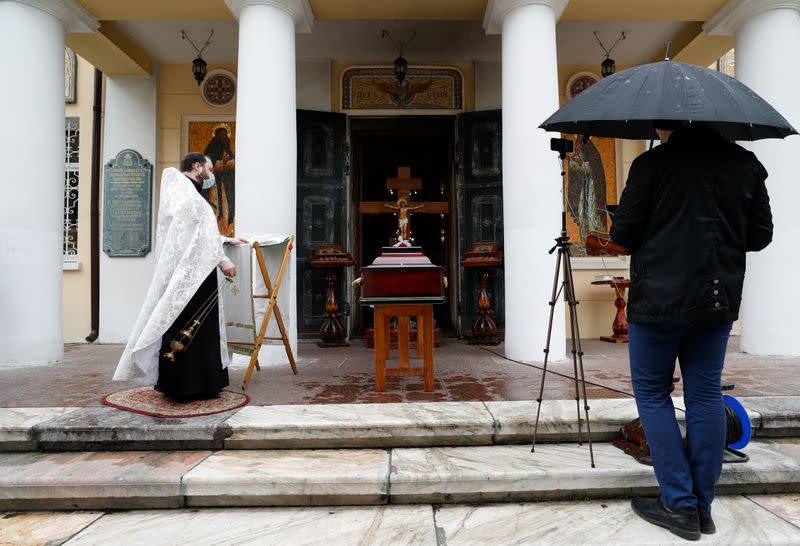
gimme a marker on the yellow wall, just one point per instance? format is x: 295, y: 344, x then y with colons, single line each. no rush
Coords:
x: 77, y: 300
x: 179, y: 95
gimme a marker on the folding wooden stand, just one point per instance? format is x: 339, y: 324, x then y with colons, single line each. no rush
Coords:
x: 424, y: 315
x: 272, y: 308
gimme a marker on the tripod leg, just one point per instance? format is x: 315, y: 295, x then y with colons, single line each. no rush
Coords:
x: 568, y: 279
x: 553, y: 300
x: 569, y: 296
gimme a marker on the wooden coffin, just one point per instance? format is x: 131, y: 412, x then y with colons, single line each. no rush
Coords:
x: 402, y: 275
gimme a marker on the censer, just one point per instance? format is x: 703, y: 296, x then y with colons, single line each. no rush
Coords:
x: 185, y: 336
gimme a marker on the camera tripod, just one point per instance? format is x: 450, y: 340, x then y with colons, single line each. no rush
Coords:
x: 567, y: 286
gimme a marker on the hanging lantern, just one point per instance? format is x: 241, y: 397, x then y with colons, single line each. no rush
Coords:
x: 199, y: 69
x: 607, y: 67
x: 199, y: 66
x: 400, y: 68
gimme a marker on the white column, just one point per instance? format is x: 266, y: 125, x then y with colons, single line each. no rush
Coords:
x: 266, y: 131
x: 532, y: 200
x: 767, y: 36
x: 32, y: 211
x: 130, y: 122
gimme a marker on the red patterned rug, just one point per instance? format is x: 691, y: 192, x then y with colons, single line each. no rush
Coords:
x: 148, y: 401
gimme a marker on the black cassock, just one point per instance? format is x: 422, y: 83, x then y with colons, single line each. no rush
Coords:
x: 197, y: 372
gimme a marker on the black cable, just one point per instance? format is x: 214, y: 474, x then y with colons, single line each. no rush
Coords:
x: 733, y: 426
x: 612, y: 389
x: 554, y: 373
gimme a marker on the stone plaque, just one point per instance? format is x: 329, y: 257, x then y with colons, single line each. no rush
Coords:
x: 127, y: 199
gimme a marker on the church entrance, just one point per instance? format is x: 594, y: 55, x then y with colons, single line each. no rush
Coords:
x: 402, y: 184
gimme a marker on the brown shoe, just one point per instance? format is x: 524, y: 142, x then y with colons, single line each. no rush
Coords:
x: 683, y: 522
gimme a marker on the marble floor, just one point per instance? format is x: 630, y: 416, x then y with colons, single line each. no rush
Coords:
x: 345, y: 375
x: 752, y: 520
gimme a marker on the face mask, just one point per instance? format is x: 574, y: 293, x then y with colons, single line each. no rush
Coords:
x: 207, y: 183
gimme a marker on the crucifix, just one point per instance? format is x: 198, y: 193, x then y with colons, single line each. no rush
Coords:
x: 404, y: 184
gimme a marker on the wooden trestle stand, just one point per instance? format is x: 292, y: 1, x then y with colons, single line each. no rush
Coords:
x: 271, y: 295
x: 424, y: 315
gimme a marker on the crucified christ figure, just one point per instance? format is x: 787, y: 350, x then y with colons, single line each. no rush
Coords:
x: 402, y: 209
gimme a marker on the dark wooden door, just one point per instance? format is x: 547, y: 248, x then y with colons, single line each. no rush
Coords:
x: 380, y: 146
x: 321, y: 208
x: 479, y: 179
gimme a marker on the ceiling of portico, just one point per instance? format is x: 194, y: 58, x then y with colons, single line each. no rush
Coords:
x: 463, y: 10
x: 435, y: 41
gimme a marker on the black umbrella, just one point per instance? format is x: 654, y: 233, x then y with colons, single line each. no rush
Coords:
x: 626, y: 105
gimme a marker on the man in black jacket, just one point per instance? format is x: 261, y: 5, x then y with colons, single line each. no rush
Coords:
x: 692, y: 208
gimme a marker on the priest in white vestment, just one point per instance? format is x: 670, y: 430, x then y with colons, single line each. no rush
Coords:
x: 190, y: 269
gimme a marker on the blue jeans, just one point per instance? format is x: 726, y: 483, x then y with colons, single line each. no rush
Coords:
x: 687, y: 476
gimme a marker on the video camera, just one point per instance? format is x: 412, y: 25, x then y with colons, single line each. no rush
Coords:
x: 561, y: 145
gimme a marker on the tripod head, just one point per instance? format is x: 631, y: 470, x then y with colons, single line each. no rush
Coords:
x: 563, y: 146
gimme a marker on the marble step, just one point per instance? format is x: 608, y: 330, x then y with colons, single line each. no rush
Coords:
x: 108, y: 480
x: 562, y: 471
x: 103, y: 480
x: 99, y: 428
x: 740, y: 520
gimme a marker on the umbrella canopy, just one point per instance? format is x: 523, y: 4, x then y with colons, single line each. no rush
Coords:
x: 626, y: 105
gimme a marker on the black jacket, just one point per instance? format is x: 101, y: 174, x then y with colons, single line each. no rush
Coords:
x: 691, y: 209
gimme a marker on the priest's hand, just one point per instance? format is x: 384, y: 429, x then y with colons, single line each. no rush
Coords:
x: 235, y: 241
x: 228, y: 269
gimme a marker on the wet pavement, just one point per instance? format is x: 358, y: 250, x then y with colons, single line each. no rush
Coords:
x: 345, y: 375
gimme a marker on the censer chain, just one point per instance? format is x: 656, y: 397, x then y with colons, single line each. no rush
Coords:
x: 205, y: 309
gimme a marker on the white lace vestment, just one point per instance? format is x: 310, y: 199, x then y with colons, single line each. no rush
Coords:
x: 188, y: 248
